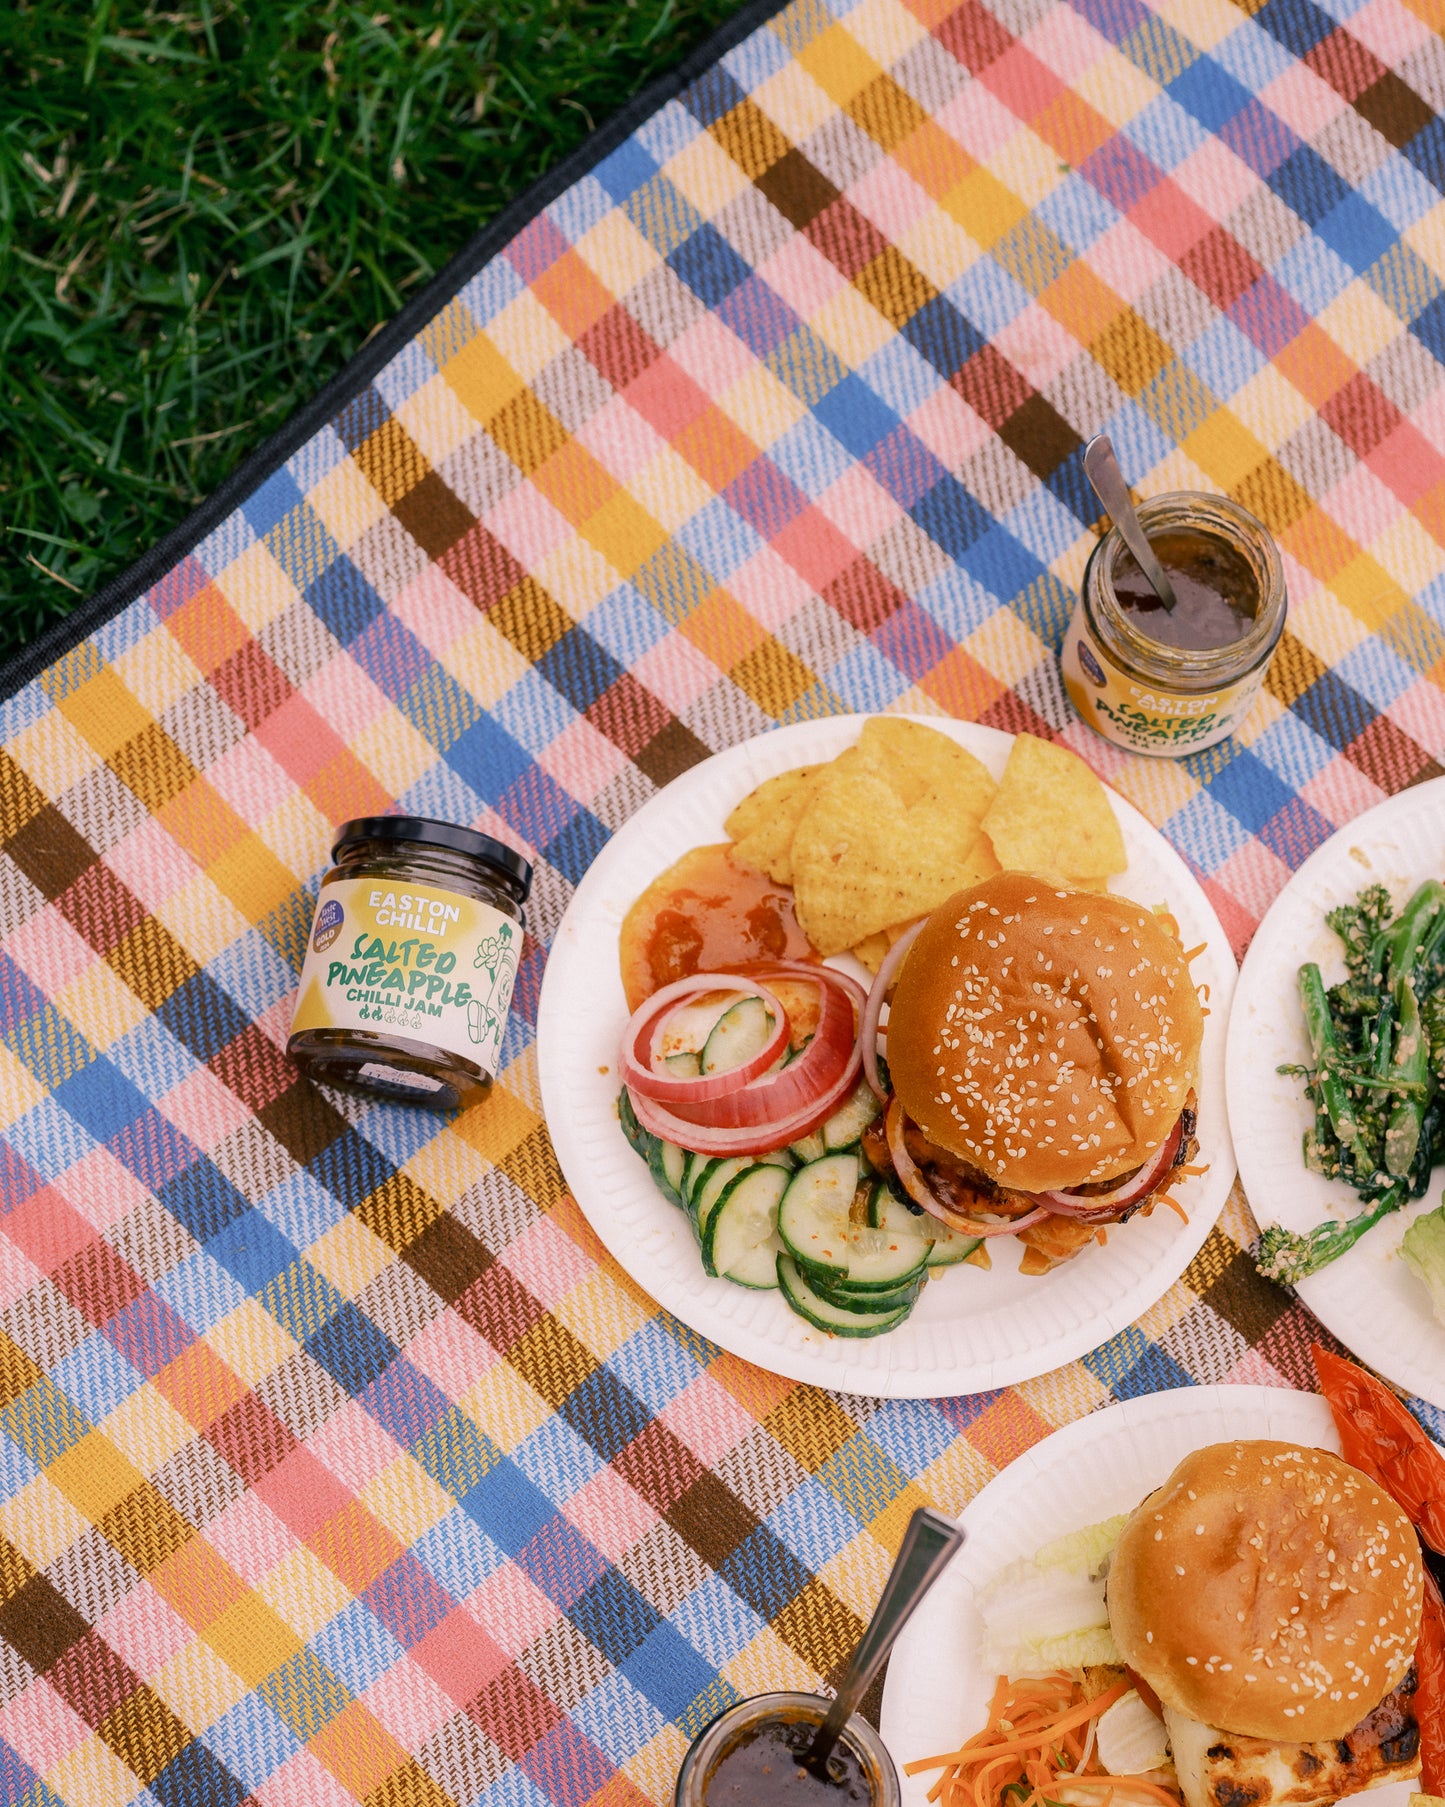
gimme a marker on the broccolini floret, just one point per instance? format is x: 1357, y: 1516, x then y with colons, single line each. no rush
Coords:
x: 1377, y: 1059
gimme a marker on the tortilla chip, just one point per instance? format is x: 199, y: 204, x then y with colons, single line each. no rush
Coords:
x: 920, y: 760
x: 762, y: 825
x: 763, y: 802
x: 862, y: 862
x: 1052, y: 814
x: 872, y: 951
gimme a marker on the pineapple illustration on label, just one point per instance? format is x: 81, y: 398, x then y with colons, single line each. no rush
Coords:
x: 496, y: 958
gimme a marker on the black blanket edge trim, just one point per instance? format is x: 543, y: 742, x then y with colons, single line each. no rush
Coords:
x: 391, y: 338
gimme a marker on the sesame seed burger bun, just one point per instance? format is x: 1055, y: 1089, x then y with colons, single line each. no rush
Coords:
x: 1049, y: 1037
x: 1270, y: 1590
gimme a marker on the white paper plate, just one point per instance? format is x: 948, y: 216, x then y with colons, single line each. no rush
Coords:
x: 1368, y: 1298
x: 970, y: 1330
x: 937, y: 1690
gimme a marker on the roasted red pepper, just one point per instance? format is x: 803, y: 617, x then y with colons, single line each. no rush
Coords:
x: 1380, y: 1438
x: 1430, y: 1693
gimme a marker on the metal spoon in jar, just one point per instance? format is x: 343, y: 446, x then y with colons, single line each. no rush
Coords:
x: 1101, y: 467
x: 928, y: 1543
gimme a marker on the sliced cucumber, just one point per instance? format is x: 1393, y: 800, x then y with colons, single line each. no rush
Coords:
x: 688, y: 1028
x: 824, y: 1315
x: 868, y: 1304
x: 845, y: 1127
x: 708, y: 1191
x: 884, y: 1260
x: 813, y: 1217
x: 809, y: 1148
x: 737, y: 1035
x: 946, y: 1247
x: 692, y: 1173
x: 665, y: 1162
x: 683, y: 1066
x: 951, y: 1246
x: 741, y: 1241
x: 674, y: 1160
x: 639, y: 1139
x: 881, y: 1203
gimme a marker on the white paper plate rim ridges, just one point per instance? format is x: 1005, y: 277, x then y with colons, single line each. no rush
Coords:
x: 970, y: 1330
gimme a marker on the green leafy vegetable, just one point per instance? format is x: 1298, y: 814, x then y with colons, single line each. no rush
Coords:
x: 1377, y: 1056
x: 1289, y: 1257
x: 1423, y: 1252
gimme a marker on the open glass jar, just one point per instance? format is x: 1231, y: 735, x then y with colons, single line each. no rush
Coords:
x: 750, y: 1756
x: 1152, y: 697
x: 414, y: 949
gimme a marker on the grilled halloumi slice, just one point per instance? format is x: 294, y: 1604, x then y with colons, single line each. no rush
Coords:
x: 1219, y: 1769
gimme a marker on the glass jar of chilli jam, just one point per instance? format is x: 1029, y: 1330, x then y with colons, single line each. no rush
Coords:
x: 409, y: 969
x: 1170, y: 684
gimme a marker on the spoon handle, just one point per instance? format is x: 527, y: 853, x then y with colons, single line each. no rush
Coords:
x: 928, y: 1543
x: 1101, y: 467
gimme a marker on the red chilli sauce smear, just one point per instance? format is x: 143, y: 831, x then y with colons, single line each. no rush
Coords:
x: 706, y: 914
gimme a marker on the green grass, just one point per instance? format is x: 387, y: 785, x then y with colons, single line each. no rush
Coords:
x: 205, y: 210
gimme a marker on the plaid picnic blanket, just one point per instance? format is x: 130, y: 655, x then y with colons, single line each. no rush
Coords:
x: 339, y: 1464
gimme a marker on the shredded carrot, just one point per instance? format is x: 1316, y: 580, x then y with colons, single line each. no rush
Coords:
x: 1038, y: 1740
x: 1168, y: 1198
x: 1195, y: 952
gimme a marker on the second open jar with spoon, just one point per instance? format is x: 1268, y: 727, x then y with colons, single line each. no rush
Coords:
x: 1126, y: 680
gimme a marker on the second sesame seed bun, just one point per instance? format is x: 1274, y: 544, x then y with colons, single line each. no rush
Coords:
x: 1269, y: 1590
x: 1049, y: 1037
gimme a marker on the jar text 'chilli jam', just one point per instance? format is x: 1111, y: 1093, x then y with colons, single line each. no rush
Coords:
x: 414, y: 952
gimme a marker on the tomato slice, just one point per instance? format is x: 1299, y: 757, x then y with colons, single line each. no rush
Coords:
x: 1430, y: 1692
x: 1381, y: 1439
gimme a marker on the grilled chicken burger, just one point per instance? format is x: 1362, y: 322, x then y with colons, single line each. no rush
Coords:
x: 1270, y: 1596
x: 1042, y: 1048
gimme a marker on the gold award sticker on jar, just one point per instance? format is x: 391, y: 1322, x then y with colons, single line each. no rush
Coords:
x: 1171, y: 683
x: 413, y: 956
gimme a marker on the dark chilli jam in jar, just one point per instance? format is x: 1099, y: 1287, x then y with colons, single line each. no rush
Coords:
x: 1216, y: 589
x: 409, y: 969
x: 767, y: 1765
x: 1171, y: 682
x: 755, y: 1754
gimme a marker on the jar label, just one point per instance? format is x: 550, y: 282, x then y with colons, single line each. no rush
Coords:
x: 427, y: 964
x: 1147, y: 718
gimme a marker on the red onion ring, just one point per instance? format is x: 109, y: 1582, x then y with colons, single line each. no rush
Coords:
x: 918, y: 1189
x: 771, y: 1108
x: 798, y: 1086
x: 747, y: 1139
x: 1101, y: 1207
x: 873, y: 1009
x: 810, y: 971
x: 640, y: 1038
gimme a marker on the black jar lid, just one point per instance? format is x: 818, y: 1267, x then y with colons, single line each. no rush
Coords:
x: 422, y: 831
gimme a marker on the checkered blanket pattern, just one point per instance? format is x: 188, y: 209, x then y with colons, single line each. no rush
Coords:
x: 339, y: 1465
